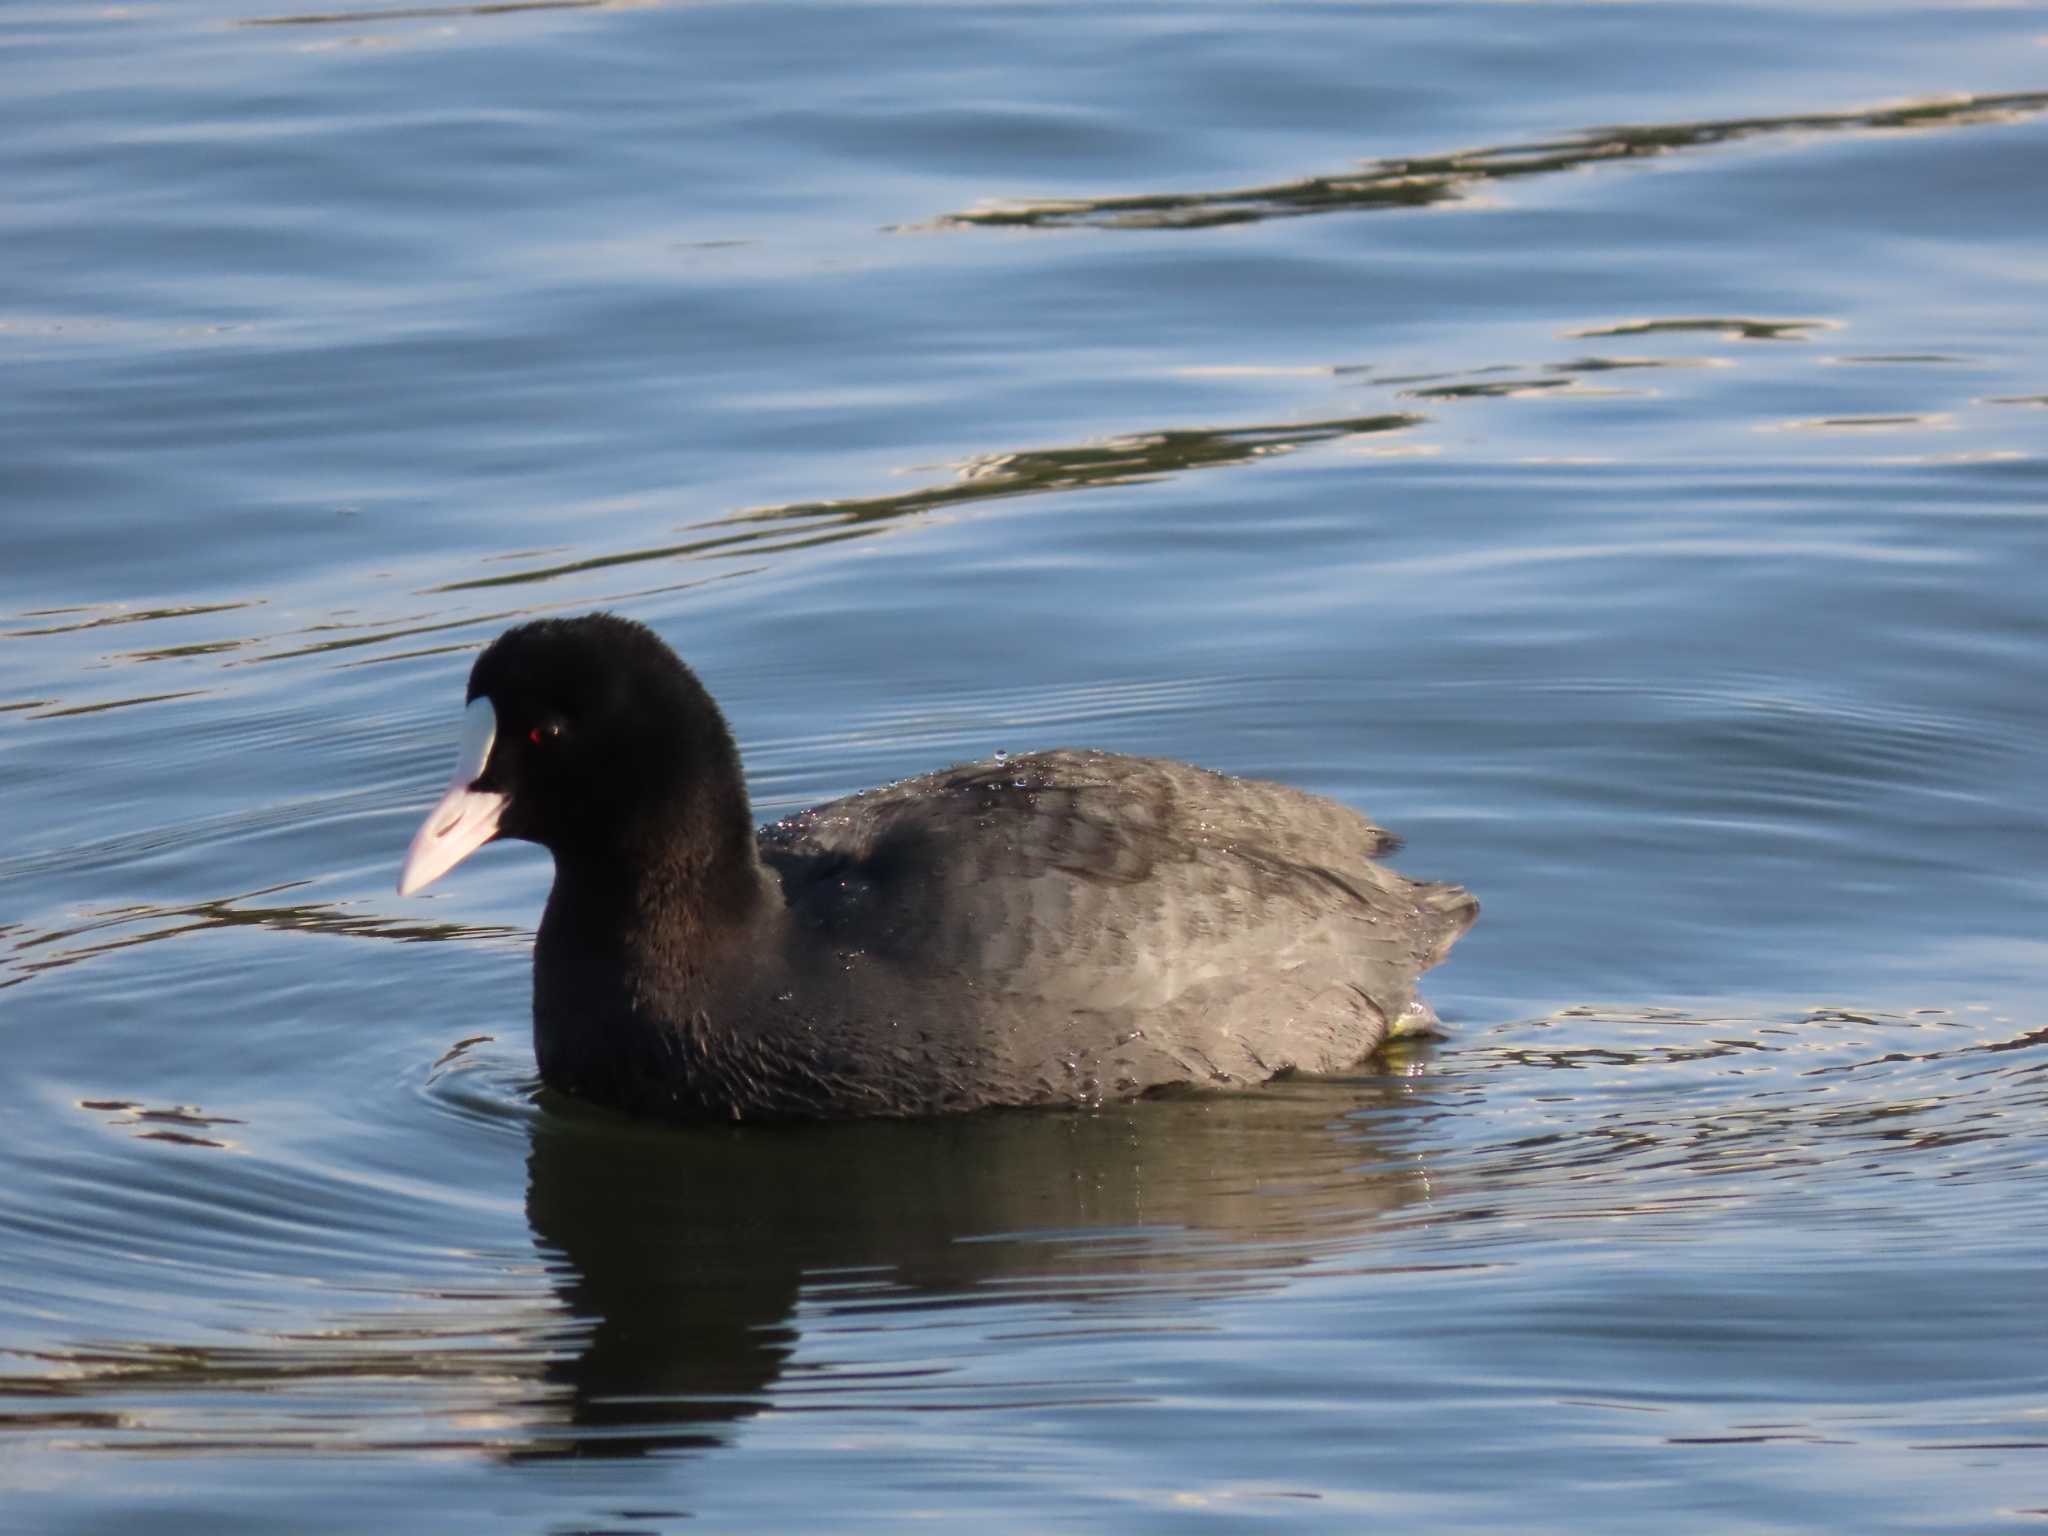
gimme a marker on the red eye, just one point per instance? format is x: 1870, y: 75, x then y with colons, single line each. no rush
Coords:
x: 534, y: 736
x: 545, y: 732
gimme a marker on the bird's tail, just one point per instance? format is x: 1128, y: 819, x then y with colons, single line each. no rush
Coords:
x: 1454, y: 908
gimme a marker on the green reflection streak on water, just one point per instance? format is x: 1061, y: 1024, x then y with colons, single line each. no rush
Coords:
x: 419, y: 13
x: 148, y: 923
x: 1123, y: 460
x: 1428, y: 180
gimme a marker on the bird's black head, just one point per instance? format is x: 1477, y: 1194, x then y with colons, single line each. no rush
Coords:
x: 589, y: 737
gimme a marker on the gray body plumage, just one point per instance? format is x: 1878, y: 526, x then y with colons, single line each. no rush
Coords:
x: 1058, y: 928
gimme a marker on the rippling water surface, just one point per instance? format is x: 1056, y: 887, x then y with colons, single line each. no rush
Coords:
x: 1609, y: 443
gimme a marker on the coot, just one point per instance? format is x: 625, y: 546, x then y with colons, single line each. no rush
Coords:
x: 1056, y: 928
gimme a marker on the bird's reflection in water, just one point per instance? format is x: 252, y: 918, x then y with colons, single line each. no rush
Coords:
x: 682, y: 1256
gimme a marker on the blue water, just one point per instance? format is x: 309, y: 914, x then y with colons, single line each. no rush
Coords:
x: 1608, y: 444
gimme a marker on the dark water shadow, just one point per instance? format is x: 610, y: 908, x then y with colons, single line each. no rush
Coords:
x: 1431, y: 180
x: 684, y: 1257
